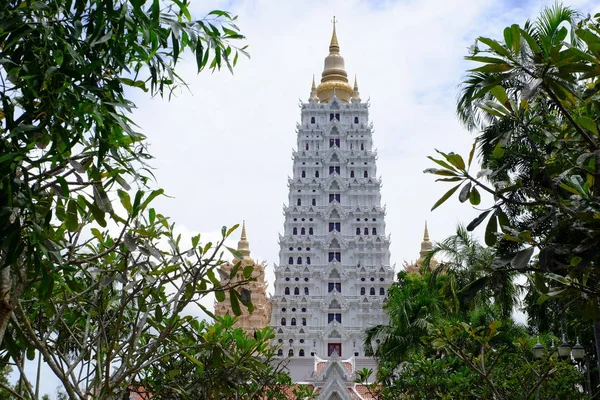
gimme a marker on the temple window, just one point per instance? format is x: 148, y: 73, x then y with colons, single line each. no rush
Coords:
x: 362, y: 291
x: 366, y: 174
x: 366, y: 231
x: 297, y: 291
x: 287, y: 290
x: 310, y: 232
x: 303, y: 321
x: 358, y: 231
x: 356, y: 120
x: 283, y: 321
x: 351, y: 174
x: 381, y: 291
x: 374, y: 231
x: 337, y: 116
x: 335, y: 256
x: 362, y: 146
x: 290, y: 262
x: 299, y: 202
x: 336, y: 317
x: 312, y: 120
x: 306, y: 146
x: 306, y: 291
x: 302, y: 231
x: 291, y: 353
x: 314, y: 202
x: 372, y: 291
x: 303, y: 174
x: 280, y: 353
x: 299, y: 262
x: 334, y: 226
x: 293, y: 323
x: 331, y: 116
x: 316, y: 174
x: 331, y: 286
x: 294, y: 231
x: 301, y: 353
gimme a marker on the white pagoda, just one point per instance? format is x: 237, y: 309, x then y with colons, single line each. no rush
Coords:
x: 334, y: 269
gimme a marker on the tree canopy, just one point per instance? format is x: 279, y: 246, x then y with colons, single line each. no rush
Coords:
x: 92, y: 277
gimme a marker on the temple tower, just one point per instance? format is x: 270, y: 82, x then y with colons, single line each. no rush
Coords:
x: 334, y: 268
x: 259, y: 318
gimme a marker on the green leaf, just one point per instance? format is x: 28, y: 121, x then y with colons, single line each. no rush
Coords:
x: 456, y: 160
x: 492, y: 68
x: 158, y: 313
x: 471, y: 153
x: 445, y: 197
x: 71, y: 218
x: 220, y: 295
x: 533, y: 45
x: 508, y: 39
x: 464, y: 193
x: 521, y: 258
x: 500, y: 94
x: 490, y: 231
x: 474, y: 197
x: 125, y: 200
x: 235, y: 305
x: 587, y: 123
x: 516, y: 38
x: 477, y: 221
x: 150, y: 197
x: 497, y: 47
x: 248, y: 271
x: 498, y: 151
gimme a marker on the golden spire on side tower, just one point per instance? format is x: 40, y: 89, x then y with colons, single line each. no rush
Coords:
x: 334, y: 80
x: 243, y: 245
x: 356, y: 95
x: 313, y: 91
x: 426, y: 245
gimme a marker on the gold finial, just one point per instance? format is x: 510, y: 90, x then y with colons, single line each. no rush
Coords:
x: 334, y: 80
x: 243, y: 245
x: 355, y: 83
x: 426, y: 233
x: 313, y: 87
x: 334, y: 47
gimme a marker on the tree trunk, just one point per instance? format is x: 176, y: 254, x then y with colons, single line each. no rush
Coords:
x: 597, y: 344
x: 6, y: 306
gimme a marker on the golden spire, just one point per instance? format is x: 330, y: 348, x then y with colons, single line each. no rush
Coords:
x: 426, y: 245
x: 334, y: 46
x: 243, y: 245
x: 334, y: 80
x: 356, y: 95
x: 313, y: 91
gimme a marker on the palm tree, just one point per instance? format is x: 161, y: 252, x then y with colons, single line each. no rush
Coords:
x: 471, y: 280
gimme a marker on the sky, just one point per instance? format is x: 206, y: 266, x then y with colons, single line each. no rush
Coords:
x: 223, y: 149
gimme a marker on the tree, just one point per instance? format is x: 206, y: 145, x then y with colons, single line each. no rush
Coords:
x: 533, y: 100
x: 470, y: 279
x: 91, y: 276
x: 473, y: 353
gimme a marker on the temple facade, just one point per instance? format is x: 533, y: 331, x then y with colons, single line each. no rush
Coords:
x: 334, y: 261
x: 259, y: 318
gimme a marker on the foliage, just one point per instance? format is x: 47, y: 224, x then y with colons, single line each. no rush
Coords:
x: 470, y: 280
x: 91, y: 276
x: 230, y: 364
x: 534, y: 100
x: 473, y: 354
